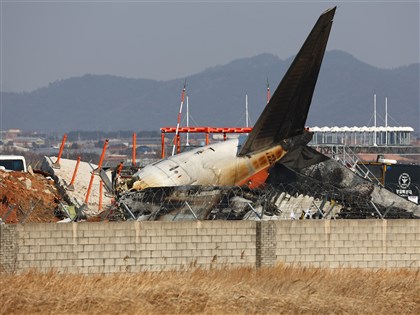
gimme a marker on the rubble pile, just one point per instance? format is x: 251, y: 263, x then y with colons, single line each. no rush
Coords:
x: 220, y: 203
x: 292, y: 201
x: 27, y: 197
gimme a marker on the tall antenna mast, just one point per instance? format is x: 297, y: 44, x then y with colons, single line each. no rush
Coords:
x: 179, y: 118
x: 386, y: 120
x: 374, y: 119
x: 246, y: 111
x: 188, y: 124
x: 268, y: 91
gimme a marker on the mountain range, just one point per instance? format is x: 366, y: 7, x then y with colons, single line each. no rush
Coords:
x: 216, y: 97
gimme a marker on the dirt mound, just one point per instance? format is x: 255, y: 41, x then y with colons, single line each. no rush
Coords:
x: 27, y: 197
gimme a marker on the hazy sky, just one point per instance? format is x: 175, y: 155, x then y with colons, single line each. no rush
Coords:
x: 45, y: 41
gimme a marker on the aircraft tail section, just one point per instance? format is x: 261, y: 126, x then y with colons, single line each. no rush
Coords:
x: 285, y: 114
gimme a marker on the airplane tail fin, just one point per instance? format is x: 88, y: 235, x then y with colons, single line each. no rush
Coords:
x: 285, y: 114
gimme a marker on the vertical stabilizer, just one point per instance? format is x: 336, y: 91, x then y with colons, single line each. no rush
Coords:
x: 286, y: 112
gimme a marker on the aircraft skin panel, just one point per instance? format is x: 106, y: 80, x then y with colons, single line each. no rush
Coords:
x: 285, y: 114
x: 256, y: 180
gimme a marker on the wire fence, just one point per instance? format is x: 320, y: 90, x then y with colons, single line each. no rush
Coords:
x: 284, y: 201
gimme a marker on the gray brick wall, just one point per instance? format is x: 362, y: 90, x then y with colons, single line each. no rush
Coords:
x: 8, y: 248
x: 134, y: 246
x: 139, y: 246
x: 266, y: 232
x: 350, y: 243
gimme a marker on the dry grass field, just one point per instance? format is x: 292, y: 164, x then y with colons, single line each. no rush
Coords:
x: 279, y: 290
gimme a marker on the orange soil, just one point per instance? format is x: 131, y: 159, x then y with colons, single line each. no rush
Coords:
x: 33, y: 198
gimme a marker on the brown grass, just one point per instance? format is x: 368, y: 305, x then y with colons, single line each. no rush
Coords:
x: 279, y: 290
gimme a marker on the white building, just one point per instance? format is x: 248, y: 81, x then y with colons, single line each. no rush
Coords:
x: 362, y: 136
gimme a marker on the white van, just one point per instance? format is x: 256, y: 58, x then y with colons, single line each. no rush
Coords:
x: 15, y: 163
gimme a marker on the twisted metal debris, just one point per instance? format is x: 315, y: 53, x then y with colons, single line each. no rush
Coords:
x: 284, y: 201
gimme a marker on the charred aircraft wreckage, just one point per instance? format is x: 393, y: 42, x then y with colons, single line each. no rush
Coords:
x: 219, y: 181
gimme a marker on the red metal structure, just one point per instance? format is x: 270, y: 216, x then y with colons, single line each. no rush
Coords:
x: 206, y: 130
x: 57, y: 163
x: 176, y: 138
x: 133, y: 158
x: 98, y: 169
x: 101, y: 191
x: 71, y: 186
x: 120, y: 167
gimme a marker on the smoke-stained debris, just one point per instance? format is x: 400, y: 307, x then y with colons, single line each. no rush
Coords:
x: 328, y: 175
x: 194, y: 202
x: 292, y: 201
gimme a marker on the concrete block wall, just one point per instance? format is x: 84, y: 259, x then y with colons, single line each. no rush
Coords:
x: 8, y: 248
x: 266, y: 241
x: 349, y: 243
x: 153, y: 246
x: 133, y: 246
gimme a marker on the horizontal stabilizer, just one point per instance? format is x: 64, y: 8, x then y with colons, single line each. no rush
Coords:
x: 285, y: 114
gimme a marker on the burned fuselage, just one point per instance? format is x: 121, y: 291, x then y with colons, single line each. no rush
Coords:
x: 216, y: 164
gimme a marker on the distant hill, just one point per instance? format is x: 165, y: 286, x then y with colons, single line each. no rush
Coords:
x: 343, y: 96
